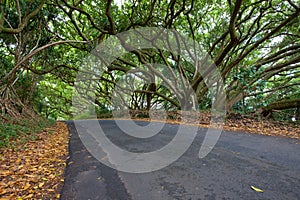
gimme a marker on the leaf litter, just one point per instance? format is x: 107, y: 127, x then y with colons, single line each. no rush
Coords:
x: 232, y: 122
x: 35, y: 170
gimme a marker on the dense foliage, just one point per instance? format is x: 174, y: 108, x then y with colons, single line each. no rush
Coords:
x: 255, y: 45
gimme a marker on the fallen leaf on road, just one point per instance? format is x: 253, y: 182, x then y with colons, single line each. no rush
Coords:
x: 256, y: 189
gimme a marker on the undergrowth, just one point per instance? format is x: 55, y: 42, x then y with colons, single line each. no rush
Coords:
x: 12, y: 129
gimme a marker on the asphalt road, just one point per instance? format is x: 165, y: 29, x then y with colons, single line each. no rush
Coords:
x: 237, y: 162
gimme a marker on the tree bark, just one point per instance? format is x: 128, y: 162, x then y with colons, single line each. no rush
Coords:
x: 297, y: 114
x: 281, y: 105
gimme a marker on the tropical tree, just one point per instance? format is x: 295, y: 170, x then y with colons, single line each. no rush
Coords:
x: 253, y: 44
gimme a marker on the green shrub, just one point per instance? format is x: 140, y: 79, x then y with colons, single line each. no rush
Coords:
x: 24, y: 129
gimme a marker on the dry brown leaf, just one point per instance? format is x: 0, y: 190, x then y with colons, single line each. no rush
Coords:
x: 28, y: 196
x: 26, y: 186
x: 41, y: 184
x: 2, y: 192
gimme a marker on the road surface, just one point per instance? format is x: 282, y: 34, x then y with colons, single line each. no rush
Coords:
x: 238, y: 161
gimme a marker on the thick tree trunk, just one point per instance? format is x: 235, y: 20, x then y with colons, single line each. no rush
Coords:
x: 152, y: 89
x: 281, y: 105
x: 297, y: 114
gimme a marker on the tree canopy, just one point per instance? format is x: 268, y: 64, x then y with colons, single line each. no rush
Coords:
x: 254, y: 44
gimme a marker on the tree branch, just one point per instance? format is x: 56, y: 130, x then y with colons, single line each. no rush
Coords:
x: 109, y: 17
x: 24, y: 21
x: 27, y: 57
